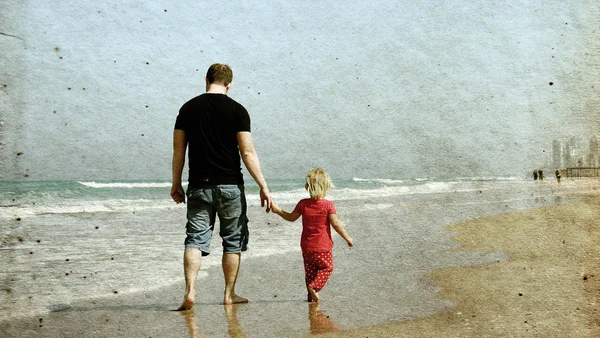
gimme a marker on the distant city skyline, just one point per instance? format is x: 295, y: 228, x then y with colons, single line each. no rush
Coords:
x: 574, y: 151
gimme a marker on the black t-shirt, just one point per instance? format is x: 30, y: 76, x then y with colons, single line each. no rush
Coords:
x: 211, y: 123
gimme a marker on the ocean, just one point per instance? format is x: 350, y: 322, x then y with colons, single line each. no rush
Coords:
x: 66, y: 241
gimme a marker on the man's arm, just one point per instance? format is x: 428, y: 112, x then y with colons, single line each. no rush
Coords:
x: 251, y: 162
x: 179, y: 148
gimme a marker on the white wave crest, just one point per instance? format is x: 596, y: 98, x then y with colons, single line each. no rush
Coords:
x: 486, y: 178
x: 74, y: 207
x: 127, y: 185
x: 378, y: 180
x: 289, y: 197
x: 341, y: 194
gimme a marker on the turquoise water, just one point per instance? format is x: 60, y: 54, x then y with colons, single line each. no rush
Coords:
x: 55, y: 195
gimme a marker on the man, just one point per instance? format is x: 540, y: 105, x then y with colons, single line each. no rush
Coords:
x: 217, y: 130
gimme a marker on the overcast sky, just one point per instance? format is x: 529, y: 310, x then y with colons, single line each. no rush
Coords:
x: 381, y: 89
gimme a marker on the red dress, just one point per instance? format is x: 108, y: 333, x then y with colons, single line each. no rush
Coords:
x: 316, y: 242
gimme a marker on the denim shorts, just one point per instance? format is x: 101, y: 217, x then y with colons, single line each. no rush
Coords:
x: 204, y: 205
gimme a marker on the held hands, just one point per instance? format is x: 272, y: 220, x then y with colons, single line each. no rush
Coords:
x: 275, y: 208
x: 265, y: 199
x: 177, y: 193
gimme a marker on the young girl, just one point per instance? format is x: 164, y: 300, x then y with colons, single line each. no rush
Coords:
x: 316, y: 243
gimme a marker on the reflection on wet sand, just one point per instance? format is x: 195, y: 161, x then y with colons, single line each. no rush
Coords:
x: 192, y: 323
x: 319, y: 321
x: 233, y: 328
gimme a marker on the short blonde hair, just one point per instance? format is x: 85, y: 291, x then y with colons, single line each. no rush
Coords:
x: 318, y: 183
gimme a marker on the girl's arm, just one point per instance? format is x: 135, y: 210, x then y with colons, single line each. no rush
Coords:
x: 339, y: 228
x: 285, y: 215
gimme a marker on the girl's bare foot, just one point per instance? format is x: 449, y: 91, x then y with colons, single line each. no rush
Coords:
x: 314, y: 296
x: 234, y: 299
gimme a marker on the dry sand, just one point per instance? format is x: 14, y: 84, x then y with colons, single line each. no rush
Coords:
x: 549, y: 288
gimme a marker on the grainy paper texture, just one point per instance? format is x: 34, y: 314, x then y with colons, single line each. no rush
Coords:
x: 442, y: 108
x: 379, y: 89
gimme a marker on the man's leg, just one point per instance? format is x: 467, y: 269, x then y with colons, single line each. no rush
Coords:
x: 199, y: 228
x: 192, y: 258
x: 231, y: 267
x: 234, y: 233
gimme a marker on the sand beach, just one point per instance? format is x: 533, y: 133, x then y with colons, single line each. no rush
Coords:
x: 514, y: 262
x: 549, y: 287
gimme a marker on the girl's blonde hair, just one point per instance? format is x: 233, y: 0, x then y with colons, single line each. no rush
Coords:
x: 318, y: 183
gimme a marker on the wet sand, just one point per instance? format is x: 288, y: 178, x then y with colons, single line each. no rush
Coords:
x: 526, y: 273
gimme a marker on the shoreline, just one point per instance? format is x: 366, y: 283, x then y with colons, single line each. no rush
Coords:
x: 549, y: 287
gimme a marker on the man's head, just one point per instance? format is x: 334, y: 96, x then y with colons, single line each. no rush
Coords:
x: 219, y: 74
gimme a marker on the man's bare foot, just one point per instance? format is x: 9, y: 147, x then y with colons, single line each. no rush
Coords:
x: 234, y: 299
x: 188, y: 304
x: 314, y: 296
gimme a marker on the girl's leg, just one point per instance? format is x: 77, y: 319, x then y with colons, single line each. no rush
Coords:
x: 310, y: 272
x: 318, y: 267
x: 324, y: 263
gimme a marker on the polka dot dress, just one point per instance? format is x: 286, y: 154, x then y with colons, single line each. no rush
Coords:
x: 317, y: 268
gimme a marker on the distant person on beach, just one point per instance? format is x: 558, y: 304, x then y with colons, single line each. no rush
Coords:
x: 217, y: 131
x: 557, y: 173
x: 541, y: 175
x: 318, y: 216
x: 535, y: 175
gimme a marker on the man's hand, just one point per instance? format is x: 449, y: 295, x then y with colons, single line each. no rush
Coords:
x: 265, y: 199
x: 177, y: 193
